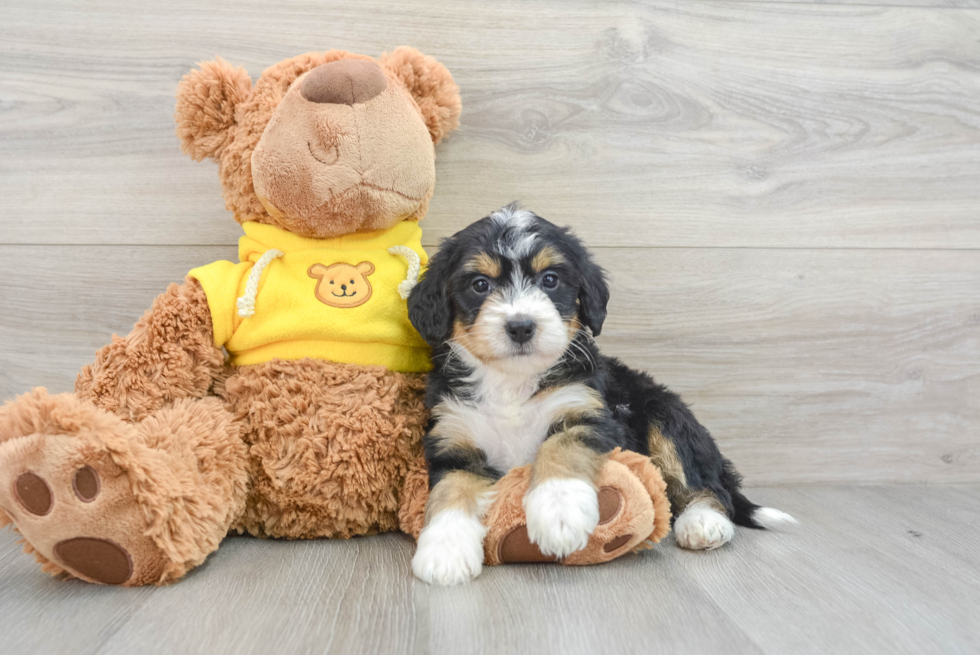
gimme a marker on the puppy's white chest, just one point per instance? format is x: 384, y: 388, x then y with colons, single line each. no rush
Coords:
x: 512, y: 432
x: 508, y: 421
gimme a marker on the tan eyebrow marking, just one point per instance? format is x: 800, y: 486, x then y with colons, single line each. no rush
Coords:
x: 484, y: 263
x: 545, y: 258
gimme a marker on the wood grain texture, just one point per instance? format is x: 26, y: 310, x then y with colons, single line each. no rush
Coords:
x: 935, y: 4
x: 807, y: 365
x: 865, y: 571
x: 870, y: 569
x: 813, y: 365
x: 653, y: 123
x: 84, y: 296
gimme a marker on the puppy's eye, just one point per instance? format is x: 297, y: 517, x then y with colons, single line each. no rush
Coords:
x: 549, y: 281
x: 481, y: 285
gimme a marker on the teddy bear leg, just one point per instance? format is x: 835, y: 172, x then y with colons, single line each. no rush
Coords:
x: 111, y: 502
x: 633, y: 514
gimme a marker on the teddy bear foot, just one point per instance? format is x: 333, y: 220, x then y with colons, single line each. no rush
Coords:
x: 74, y: 507
x: 119, y: 503
x: 633, y: 514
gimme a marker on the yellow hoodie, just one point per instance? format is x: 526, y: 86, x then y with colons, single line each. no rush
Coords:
x: 339, y: 299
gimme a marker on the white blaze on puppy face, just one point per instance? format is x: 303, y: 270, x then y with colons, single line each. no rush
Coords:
x: 513, y: 216
x: 512, y: 267
x: 518, y: 241
x: 521, y: 301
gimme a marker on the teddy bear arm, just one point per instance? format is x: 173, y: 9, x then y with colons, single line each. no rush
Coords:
x: 633, y: 506
x: 634, y: 514
x: 169, y: 354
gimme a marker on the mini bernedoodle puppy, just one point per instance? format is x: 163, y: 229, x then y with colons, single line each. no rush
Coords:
x: 507, y: 305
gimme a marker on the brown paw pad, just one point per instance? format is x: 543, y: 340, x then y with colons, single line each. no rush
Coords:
x: 516, y: 547
x: 86, y: 484
x: 617, y: 543
x: 33, y: 493
x: 97, y: 559
x: 610, y: 502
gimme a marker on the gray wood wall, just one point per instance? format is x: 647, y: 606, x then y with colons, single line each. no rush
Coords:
x: 786, y: 195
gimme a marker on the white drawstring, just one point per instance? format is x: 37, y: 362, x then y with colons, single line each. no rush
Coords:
x: 414, y: 268
x: 246, y: 304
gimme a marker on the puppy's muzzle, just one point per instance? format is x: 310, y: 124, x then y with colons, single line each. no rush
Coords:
x: 520, y: 330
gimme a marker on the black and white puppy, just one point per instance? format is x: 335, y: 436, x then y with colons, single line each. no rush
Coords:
x: 507, y: 305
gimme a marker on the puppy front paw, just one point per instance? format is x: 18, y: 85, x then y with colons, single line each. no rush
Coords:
x: 450, y: 549
x: 561, y: 515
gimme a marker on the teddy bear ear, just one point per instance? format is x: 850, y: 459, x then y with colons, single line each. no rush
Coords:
x: 206, y: 100
x: 431, y: 85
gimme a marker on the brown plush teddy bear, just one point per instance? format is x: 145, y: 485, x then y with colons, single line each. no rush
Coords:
x: 282, y: 395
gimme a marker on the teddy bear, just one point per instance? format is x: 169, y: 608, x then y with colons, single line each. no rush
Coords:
x: 282, y: 395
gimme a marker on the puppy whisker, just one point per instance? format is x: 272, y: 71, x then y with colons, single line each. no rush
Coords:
x: 589, y: 359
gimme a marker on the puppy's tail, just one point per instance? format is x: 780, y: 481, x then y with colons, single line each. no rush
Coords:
x: 747, y: 513
x: 750, y: 515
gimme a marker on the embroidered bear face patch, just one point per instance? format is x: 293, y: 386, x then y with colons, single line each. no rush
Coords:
x: 342, y: 285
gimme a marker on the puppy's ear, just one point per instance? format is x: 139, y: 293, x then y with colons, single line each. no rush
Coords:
x: 429, y: 308
x: 206, y: 100
x: 593, y: 294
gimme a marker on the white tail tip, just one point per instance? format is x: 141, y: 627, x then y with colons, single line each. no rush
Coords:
x: 771, y: 518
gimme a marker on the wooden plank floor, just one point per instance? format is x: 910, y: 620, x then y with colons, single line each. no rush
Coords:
x: 869, y: 570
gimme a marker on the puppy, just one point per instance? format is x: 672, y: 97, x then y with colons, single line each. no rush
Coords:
x: 508, y: 305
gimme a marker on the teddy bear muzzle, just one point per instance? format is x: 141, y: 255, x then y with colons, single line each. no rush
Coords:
x: 346, y: 150
x: 344, y: 82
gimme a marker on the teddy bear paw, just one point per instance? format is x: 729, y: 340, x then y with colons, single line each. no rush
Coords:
x: 561, y: 515
x: 74, y: 507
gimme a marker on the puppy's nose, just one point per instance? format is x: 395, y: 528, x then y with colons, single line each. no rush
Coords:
x: 520, y: 330
x: 344, y: 82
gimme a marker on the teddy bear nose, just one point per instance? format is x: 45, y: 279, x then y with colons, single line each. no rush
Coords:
x: 344, y: 82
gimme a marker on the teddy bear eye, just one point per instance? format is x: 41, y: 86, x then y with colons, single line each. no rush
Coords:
x: 352, y: 281
x: 331, y: 281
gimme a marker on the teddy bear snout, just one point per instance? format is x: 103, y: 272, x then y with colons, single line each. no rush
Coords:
x: 344, y: 82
